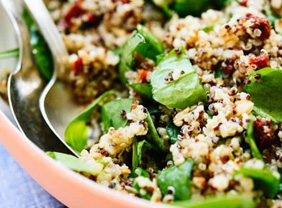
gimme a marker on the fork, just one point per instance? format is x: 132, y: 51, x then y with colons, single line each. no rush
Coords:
x: 25, y: 86
x: 57, y: 104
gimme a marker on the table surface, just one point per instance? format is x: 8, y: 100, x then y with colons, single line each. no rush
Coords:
x: 18, y: 189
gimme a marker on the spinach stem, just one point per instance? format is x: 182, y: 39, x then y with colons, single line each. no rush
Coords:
x: 9, y: 53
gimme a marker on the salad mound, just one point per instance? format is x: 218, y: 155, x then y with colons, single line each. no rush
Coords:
x: 184, y: 98
x: 196, y: 106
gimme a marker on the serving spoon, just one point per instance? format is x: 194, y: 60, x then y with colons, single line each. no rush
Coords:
x: 25, y: 86
x: 57, y: 104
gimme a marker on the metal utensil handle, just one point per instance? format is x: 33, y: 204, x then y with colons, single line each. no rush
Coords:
x: 15, y: 16
x: 49, y: 30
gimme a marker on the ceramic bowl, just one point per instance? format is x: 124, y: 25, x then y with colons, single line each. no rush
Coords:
x: 70, y: 188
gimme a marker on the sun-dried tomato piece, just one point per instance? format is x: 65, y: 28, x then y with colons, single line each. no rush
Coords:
x: 260, y: 61
x: 264, y: 133
x: 259, y: 23
x: 77, y: 66
x: 74, y: 12
x: 142, y: 76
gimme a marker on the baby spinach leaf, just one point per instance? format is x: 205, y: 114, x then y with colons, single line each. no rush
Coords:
x: 185, y: 91
x: 191, y: 7
x: 197, y: 7
x: 264, y: 180
x: 179, y: 178
x: 135, y: 157
x: 128, y: 53
x: 141, y: 172
x: 111, y: 113
x: 159, y: 58
x: 42, y: 54
x: 225, y: 201
x: 145, y: 90
x: 76, y: 134
x: 73, y: 163
x: 173, y: 132
x: 280, y: 182
x: 222, y: 3
x: 250, y: 139
x: 266, y: 93
x: 143, y: 42
x: 43, y: 57
x: 137, y: 151
x: 117, y: 50
x: 152, y: 47
x: 154, y: 136
x: 153, y: 108
x: 142, y: 194
x: 218, y: 73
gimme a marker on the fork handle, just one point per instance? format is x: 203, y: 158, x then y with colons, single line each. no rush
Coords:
x: 49, y: 31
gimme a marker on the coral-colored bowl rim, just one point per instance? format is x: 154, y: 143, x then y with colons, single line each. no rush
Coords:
x: 70, y: 188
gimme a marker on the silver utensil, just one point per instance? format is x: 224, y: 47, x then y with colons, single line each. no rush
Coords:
x: 57, y: 104
x: 25, y: 86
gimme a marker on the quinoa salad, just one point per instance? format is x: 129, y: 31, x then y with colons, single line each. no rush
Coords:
x: 183, y: 98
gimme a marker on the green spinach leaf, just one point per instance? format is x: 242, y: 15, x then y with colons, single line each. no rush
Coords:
x: 9, y: 53
x: 141, y: 172
x: 185, y: 91
x: 221, y: 3
x: 197, y: 7
x: 266, y: 93
x: 250, y: 139
x: 128, y: 54
x: 42, y: 54
x: 145, y: 90
x: 73, y: 163
x: 154, y: 136
x: 152, y: 47
x: 153, y: 108
x: 137, y: 152
x: 173, y: 132
x: 218, y: 73
x: 76, y: 134
x: 160, y: 57
x: 264, y: 180
x: 225, y: 201
x: 143, y: 42
x: 144, y: 195
x: 191, y: 7
x: 179, y: 178
x: 280, y: 182
x: 111, y: 113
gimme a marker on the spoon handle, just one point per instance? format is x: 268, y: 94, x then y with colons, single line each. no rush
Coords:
x: 50, y: 32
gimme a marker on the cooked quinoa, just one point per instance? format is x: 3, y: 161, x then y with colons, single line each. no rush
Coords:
x: 205, y: 140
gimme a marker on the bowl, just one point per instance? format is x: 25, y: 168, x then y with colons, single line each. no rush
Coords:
x: 69, y: 187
